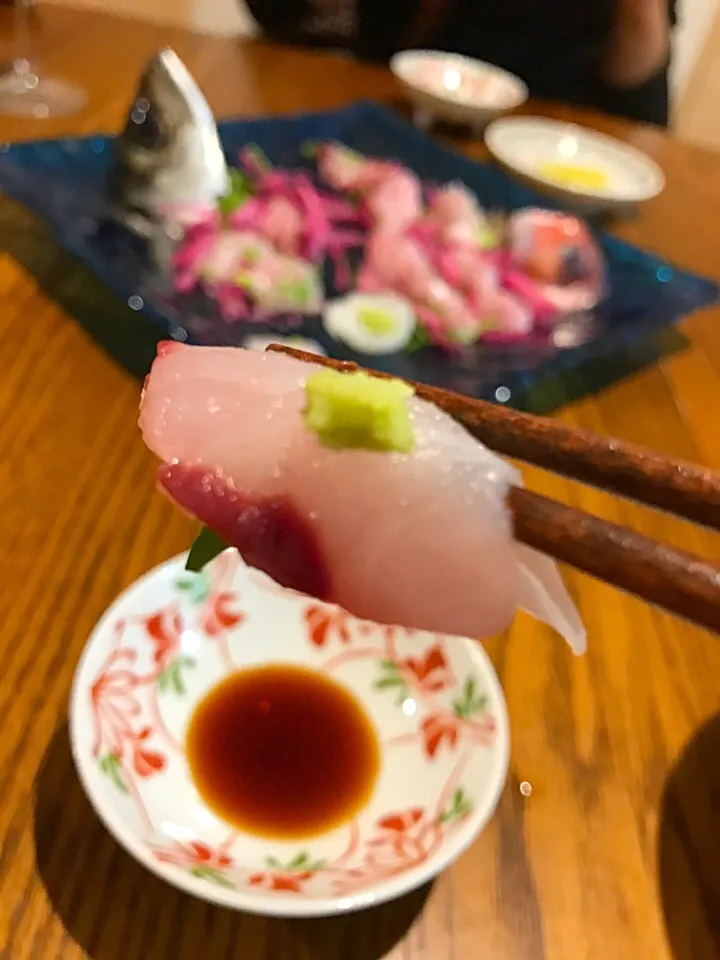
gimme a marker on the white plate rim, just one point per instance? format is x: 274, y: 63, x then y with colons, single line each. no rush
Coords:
x: 495, y: 130
x: 283, y: 906
x: 397, y: 66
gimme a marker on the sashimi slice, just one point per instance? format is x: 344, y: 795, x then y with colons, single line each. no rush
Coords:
x: 543, y: 595
x: 557, y: 254
x: 278, y: 283
x: 282, y: 223
x: 549, y: 302
x: 508, y: 317
x: 340, y: 166
x: 228, y: 252
x: 458, y: 216
x: 472, y: 271
x: 395, y: 202
x: 420, y: 539
x: 391, y: 194
x: 398, y: 263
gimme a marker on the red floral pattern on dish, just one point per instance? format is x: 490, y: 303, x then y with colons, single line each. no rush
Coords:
x: 219, y: 614
x: 283, y: 882
x: 125, y: 702
x: 430, y: 671
x: 401, y: 842
x: 200, y: 860
x: 438, y: 729
x: 324, y: 622
x: 193, y: 854
x: 289, y: 877
x: 165, y: 630
x: 116, y: 711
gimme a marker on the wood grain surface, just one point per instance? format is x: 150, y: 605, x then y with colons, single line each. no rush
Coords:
x: 616, y: 853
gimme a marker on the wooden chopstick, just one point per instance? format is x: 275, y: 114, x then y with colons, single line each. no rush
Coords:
x: 660, y: 574
x: 670, y: 578
x: 677, y: 486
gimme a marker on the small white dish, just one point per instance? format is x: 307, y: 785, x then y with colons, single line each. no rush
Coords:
x: 448, y: 86
x: 575, y: 165
x: 172, y: 636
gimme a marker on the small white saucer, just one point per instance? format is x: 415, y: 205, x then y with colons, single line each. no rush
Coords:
x: 435, y: 702
x: 577, y: 166
x: 457, y: 89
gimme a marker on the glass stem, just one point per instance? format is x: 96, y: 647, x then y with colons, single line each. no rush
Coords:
x: 24, y: 55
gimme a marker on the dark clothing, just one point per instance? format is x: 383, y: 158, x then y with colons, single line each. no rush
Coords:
x: 554, y: 45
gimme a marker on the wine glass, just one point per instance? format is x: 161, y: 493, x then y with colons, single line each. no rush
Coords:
x: 24, y: 90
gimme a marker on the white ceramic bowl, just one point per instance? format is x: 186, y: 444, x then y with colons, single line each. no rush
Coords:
x: 532, y: 147
x: 447, y: 86
x: 435, y: 702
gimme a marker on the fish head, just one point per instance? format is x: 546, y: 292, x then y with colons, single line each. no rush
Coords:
x: 169, y: 151
x: 168, y: 89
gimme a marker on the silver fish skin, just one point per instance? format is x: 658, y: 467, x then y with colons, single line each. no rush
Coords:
x: 169, y: 151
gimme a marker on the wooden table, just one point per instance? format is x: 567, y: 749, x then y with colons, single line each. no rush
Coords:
x: 617, y: 851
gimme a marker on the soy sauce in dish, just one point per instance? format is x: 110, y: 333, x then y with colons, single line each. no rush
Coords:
x: 281, y: 751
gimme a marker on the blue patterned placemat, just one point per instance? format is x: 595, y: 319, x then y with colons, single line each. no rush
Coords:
x: 63, y: 181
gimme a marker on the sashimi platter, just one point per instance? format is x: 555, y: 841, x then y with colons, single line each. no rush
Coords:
x: 350, y: 234
x: 385, y: 261
x: 433, y: 268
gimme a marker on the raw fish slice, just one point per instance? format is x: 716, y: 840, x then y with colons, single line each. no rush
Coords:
x: 282, y: 224
x: 277, y: 283
x: 178, y: 217
x: 421, y: 539
x: 540, y: 241
x: 242, y: 259
x: 395, y: 202
x: 542, y: 594
x: 468, y: 268
x: 458, y: 216
x: 400, y: 264
x: 378, y: 521
x: 340, y: 166
x: 221, y: 256
x: 182, y: 379
x: 557, y: 254
x: 550, y: 302
x: 477, y: 276
x: 347, y: 170
x: 508, y: 318
x: 392, y: 194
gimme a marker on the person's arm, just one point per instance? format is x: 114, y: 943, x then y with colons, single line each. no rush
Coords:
x: 632, y: 76
x: 639, y: 44
x: 295, y: 22
x: 279, y: 16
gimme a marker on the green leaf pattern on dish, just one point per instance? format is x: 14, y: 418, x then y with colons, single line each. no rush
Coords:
x: 171, y: 680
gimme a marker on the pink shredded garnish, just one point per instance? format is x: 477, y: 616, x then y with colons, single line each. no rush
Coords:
x: 233, y: 301
x: 247, y: 216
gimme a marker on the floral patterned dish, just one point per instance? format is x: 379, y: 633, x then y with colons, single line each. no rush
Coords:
x: 435, y: 702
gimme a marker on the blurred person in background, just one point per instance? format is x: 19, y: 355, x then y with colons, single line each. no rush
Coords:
x: 609, y: 54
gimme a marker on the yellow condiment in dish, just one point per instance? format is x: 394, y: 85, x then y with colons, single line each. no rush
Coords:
x: 572, y: 175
